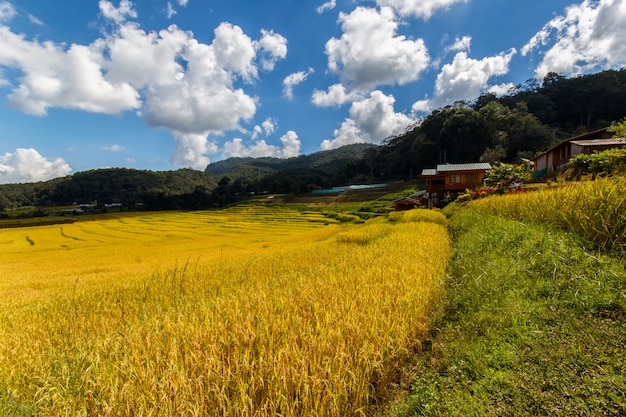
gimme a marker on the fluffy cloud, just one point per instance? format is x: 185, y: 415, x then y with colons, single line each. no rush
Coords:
x: 371, y: 120
x: 27, y: 165
x: 589, y: 37
x: 272, y: 48
x: 294, y: 79
x: 54, y: 77
x: 417, y: 8
x: 460, y: 44
x: 192, y: 150
x: 266, y: 128
x: 196, y: 99
x: 394, y: 60
x: 335, y: 96
x: 465, y: 78
x: 171, y: 79
x: 290, y: 148
x: 117, y: 14
x: 234, y: 51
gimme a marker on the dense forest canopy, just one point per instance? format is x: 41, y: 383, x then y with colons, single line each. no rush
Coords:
x: 518, y: 125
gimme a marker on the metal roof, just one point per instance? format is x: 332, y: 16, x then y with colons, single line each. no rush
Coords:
x: 443, y: 168
x: 600, y: 142
x: 598, y: 134
x: 463, y: 167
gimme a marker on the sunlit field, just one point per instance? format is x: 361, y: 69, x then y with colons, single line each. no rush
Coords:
x: 594, y: 210
x: 242, y: 312
x: 119, y: 247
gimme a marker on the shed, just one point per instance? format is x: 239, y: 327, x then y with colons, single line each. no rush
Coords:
x: 409, y: 202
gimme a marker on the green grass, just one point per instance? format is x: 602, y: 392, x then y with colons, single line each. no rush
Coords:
x: 532, y: 324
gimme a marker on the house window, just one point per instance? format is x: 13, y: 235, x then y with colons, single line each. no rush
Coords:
x: 455, y: 179
x: 471, y: 178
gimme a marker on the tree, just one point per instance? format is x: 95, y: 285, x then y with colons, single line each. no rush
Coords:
x: 619, y: 129
x: 506, y: 175
x: 492, y: 155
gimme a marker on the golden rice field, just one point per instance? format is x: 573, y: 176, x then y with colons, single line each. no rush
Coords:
x: 40, y: 260
x: 595, y: 210
x: 250, y: 311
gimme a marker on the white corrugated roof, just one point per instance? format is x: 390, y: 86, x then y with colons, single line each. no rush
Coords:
x: 443, y: 168
x: 600, y: 142
x: 463, y: 167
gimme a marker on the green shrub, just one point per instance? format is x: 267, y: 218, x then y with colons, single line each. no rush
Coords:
x: 610, y: 161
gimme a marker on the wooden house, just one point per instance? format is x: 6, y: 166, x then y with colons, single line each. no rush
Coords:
x: 558, y: 156
x: 453, y: 178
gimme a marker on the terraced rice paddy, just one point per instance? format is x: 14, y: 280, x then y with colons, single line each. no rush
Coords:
x: 248, y: 311
x: 57, y: 257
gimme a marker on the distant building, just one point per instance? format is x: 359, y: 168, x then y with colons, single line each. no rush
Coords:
x: 453, y: 178
x: 410, y: 202
x: 558, y: 156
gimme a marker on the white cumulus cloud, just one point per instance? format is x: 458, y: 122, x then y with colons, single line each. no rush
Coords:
x: 117, y: 14
x: 192, y: 150
x: 54, y: 77
x: 465, y: 78
x: 460, y: 44
x: 290, y: 148
x: 168, y: 77
x: 272, y: 47
x: 589, y: 37
x: 266, y: 128
x: 335, y: 96
x: 371, y: 120
x: 27, y: 165
x: 396, y: 60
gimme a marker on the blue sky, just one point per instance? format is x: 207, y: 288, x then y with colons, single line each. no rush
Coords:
x: 165, y: 84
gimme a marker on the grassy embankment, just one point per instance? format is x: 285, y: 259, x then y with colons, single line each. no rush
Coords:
x: 535, y: 309
x: 277, y: 313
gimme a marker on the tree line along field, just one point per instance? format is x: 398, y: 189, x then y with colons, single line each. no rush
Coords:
x: 252, y: 310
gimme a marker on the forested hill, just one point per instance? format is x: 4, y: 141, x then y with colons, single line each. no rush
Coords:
x: 184, y: 188
x: 331, y: 160
x: 105, y: 186
x: 519, y: 125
